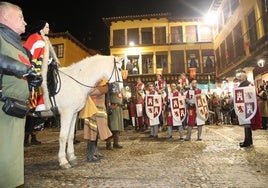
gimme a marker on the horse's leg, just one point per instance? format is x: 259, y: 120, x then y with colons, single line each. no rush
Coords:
x: 65, y: 121
x: 70, y: 147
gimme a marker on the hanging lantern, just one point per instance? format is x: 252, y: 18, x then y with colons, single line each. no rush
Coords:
x: 124, y: 74
x: 192, y: 73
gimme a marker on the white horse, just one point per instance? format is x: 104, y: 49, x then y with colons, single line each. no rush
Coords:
x: 77, y: 81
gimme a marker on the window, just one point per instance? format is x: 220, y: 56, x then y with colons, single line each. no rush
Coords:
x: 204, y: 33
x: 177, y: 61
x: 208, y: 60
x: 160, y: 35
x: 147, y: 35
x: 220, y: 22
x: 133, y: 36
x: 226, y: 12
x: 234, y: 5
x: 230, y: 48
x: 208, y: 64
x: 147, y: 63
x: 264, y: 6
x: 59, y: 50
x: 161, y: 61
x: 118, y: 37
x: 191, y: 34
x: 176, y: 34
x: 218, y: 59
x: 132, y: 64
x: 224, y: 55
x: 252, y: 28
x: 192, y: 58
x: 238, y: 40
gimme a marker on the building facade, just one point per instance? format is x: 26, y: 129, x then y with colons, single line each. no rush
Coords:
x: 240, y: 39
x: 68, y: 49
x: 216, y: 50
x: 162, y: 41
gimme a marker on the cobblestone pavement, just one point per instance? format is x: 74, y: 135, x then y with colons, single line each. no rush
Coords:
x: 215, y: 162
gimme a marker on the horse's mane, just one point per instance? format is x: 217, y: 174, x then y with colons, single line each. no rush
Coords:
x: 87, y: 60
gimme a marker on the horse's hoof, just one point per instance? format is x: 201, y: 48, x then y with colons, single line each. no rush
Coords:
x: 73, y: 162
x: 65, y: 166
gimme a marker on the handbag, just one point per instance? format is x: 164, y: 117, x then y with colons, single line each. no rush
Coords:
x: 15, y: 107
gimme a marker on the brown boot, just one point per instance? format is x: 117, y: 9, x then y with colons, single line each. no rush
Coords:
x: 108, y: 144
x: 116, y: 139
x: 34, y: 141
x: 26, y: 139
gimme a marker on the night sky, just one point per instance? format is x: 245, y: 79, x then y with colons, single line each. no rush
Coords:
x: 83, y: 18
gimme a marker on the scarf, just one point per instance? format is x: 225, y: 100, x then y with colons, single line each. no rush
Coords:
x: 11, y: 37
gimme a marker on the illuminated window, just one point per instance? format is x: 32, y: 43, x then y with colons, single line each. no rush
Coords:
x: 133, y: 36
x: 176, y: 34
x: 204, y: 33
x: 191, y: 34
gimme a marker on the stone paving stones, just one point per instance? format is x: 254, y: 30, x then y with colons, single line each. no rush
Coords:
x: 215, y: 162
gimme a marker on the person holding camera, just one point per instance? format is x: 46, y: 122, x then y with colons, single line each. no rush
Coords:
x: 17, y: 77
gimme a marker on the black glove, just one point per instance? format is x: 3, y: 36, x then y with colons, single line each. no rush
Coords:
x: 34, y: 81
x: 11, y: 66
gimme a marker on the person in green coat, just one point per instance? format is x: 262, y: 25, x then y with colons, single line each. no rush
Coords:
x: 18, y: 78
x: 115, y: 118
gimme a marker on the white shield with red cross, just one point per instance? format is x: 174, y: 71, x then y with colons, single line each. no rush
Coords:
x: 178, y: 108
x: 153, y: 106
x: 202, y: 106
x: 245, y: 102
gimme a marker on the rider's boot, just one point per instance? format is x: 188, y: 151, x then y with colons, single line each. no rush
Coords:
x: 26, y: 139
x: 34, y: 141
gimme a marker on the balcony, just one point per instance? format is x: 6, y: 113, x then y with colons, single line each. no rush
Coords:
x: 201, y: 78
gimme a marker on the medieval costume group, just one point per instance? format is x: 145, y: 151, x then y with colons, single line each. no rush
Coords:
x: 184, y: 106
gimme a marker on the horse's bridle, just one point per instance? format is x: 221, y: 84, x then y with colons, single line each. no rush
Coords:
x: 116, y: 72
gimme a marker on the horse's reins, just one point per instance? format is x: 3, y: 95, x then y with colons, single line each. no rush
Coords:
x: 96, y: 86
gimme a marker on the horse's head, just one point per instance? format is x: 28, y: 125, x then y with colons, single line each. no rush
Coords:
x: 116, y: 80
